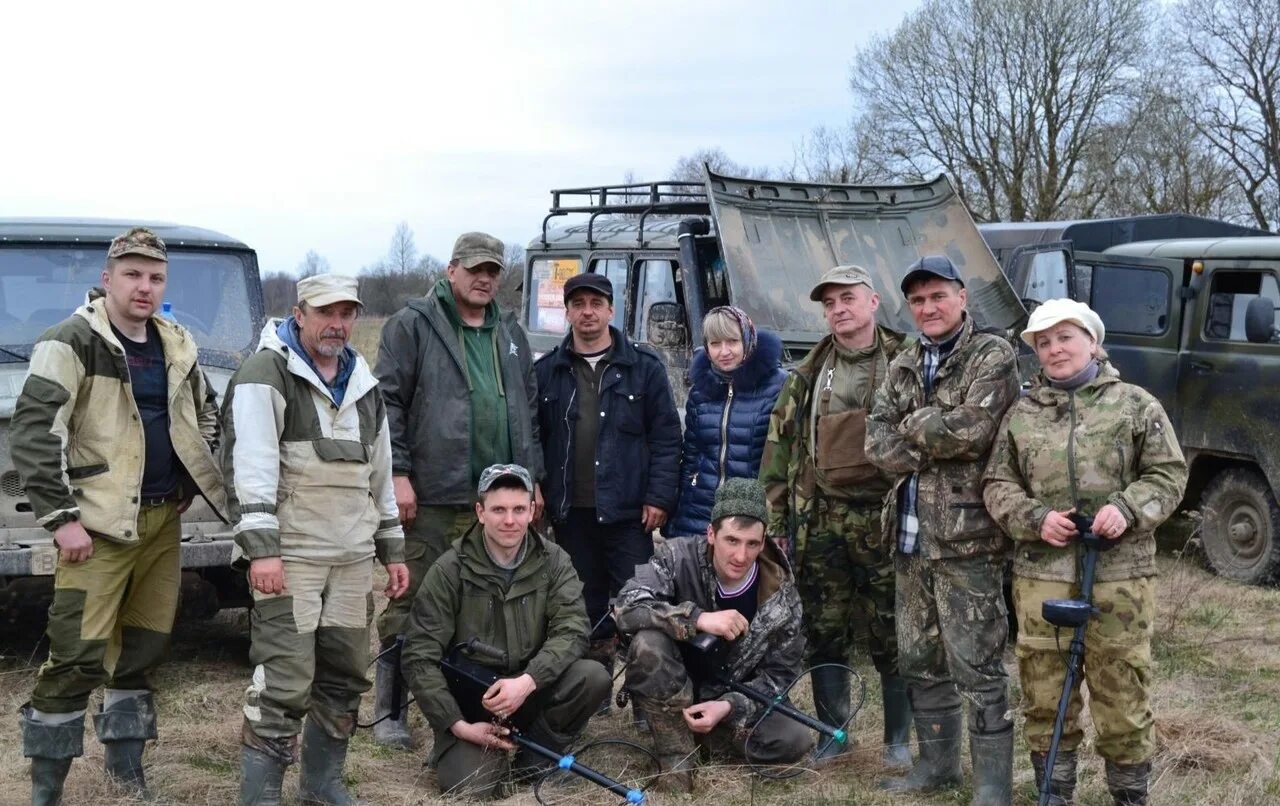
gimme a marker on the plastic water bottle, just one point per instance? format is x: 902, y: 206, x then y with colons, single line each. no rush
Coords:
x: 166, y: 311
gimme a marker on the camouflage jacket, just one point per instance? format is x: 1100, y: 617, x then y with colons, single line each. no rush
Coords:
x: 787, y: 468
x: 1108, y: 442
x: 945, y: 438
x: 679, y: 584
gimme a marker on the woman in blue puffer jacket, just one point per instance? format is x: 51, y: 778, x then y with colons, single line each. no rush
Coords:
x: 736, y: 379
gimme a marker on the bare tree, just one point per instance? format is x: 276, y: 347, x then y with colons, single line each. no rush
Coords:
x: 840, y: 155
x: 1234, y: 48
x: 510, y: 294
x: 279, y: 291
x: 1006, y: 96
x: 313, y: 263
x: 402, y: 256
x: 689, y: 167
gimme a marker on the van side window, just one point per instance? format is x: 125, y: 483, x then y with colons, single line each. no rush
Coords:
x: 1131, y: 299
x: 615, y: 268
x: 657, y: 284
x: 1229, y: 295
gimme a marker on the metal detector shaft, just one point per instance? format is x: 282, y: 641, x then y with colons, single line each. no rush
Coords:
x: 567, y: 762
x: 791, y: 713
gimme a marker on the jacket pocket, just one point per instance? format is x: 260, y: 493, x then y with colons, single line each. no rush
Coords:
x: 629, y: 411
x: 841, y: 452
x: 341, y: 450
x: 87, y: 471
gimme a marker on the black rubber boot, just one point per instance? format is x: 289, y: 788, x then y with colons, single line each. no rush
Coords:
x: 51, y: 747
x: 391, y: 732
x: 261, y: 777
x: 831, y: 705
x: 938, y: 737
x: 1063, y: 780
x: 124, y: 728
x: 992, y: 755
x: 897, y: 722
x: 605, y: 652
x: 323, y: 759
x: 1128, y: 783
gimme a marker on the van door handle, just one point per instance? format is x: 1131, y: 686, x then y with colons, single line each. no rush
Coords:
x: 1202, y: 366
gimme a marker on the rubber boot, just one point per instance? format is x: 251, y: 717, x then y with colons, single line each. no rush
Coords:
x: 125, y: 723
x: 938, y: 737
x: 992, y: 755
x: 1062, y: 782
x: 897, y: 722
x: 51, y: 747
x: 323, y: 759
x: 672, y: 743
x: 831, y: 705
x: 261, y: 777
x: 391, y: 732
x: 605, y: 652
x: 1128, y: 783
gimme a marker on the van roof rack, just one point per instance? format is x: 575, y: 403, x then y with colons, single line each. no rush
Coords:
x: 641, y: 198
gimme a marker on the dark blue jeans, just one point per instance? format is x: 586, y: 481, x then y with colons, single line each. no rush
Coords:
x: 605, y: 555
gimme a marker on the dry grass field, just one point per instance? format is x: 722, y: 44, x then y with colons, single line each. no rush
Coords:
x: 1217, y: 702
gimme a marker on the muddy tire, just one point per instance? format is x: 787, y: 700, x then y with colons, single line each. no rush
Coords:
x: 1240, y: 522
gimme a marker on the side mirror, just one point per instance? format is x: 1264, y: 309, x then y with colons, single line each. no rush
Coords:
x: 665, y: 327
x: 1260, y: 320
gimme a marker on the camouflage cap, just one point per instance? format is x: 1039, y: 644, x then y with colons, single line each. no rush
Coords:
x: 742, y: 498
x: 320, y: 290
x: 842, y: 275
x: 494, y: 472
x: 138, y: 241
x: 473, y: 248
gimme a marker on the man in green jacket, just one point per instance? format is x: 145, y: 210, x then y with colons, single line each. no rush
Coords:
x: 457, y: 377
x: 113, y: 436
x: 507, y: 587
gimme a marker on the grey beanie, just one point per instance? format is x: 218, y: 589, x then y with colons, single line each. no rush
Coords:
x: 742, y: 498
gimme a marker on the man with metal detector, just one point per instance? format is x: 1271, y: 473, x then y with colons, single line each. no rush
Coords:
x: 505, y: 589
x: 733, y: 583
x: 1084, y: 443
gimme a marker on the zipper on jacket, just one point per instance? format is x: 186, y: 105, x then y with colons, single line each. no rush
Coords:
x: 568, y: 454
x: 1071, y: 451
x: 724, y: 432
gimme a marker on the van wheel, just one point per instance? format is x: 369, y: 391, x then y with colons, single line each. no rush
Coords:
x: 1240, y: 521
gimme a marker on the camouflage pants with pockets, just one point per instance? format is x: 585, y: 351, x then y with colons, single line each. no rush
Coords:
x: 310, y: 651
x: 952, y: 629
x: 114, y: 611
x: 1117, y: 667
x: 430, y: 536
x: 845, y: 578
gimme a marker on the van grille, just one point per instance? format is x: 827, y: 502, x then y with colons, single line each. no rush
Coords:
x: 11, y: 484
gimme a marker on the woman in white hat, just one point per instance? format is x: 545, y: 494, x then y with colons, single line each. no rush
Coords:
x: 1083, y: 441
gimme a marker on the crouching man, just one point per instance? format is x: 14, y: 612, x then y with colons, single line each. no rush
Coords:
x: 733, y: 583
x: 504, y: 586
x: 307, y: 461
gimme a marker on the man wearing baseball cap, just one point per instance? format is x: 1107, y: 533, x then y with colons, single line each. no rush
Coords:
x: 457, y: 376
x: 307, y: 462
x: 825, y: 498
x: 504, y: 585
x: 112, y: 435
x: 610, y: 430
x: 934, y: 421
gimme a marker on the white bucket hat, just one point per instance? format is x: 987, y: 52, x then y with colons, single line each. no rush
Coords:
x: 1053, y: 311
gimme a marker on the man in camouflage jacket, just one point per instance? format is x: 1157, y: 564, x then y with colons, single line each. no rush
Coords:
x: 689, y: 587
x: 932, y: 425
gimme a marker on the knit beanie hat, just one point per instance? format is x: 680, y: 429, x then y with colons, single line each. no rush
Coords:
x: 740, y: 497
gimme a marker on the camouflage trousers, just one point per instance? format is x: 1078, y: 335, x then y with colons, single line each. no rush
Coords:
x: 845, y: 578
x: 1117, y: 667
x: 430, y: 536
x: 952, y: 629
x: 310, y: 651
x: 114, y: 611
x: 656, y: 674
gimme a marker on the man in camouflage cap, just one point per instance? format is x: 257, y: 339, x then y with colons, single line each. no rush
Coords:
x: 825, y: 498
x: 457, y: 376
x: 113, y: 436
x: 733, y: 582
x: 932, y: 426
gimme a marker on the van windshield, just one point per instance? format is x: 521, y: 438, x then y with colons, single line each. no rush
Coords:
x: 207, y: 291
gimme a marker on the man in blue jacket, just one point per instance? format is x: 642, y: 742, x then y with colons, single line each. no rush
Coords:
x: 611, y: 447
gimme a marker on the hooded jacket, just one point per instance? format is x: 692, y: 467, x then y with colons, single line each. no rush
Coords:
x: 726, y: 421
x: 307, y: 478
x: 422, y: 373
x: 76, y: 437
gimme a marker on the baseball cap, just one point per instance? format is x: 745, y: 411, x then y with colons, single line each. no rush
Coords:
x: 841, y: 275
x: 929, y: 267
x: 742, y: 498
x: 494, y: 472
x: 473, y: 248
x: 320, y: 290
x: 138, y: 241
x: 1054, y: 311
x: 590, y: 281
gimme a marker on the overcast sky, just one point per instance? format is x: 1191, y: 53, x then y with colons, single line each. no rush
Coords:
x: 321, y: 126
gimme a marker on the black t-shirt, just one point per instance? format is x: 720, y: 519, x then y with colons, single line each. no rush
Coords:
x: 149, y: 379
x: 746, y: 601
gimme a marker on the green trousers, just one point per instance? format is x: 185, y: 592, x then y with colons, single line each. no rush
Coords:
x: 430, y: 536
